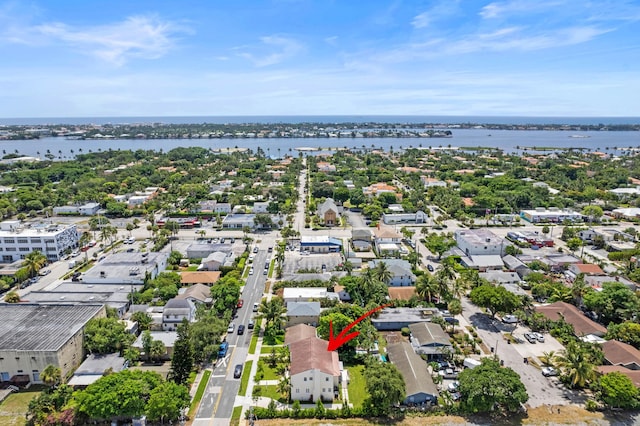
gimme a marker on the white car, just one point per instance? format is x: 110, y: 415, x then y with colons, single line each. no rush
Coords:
x: 251, y: 271
x: 539, y: 336
x: 549, y: 371
x: 231, y: 327
x: 510, y: 319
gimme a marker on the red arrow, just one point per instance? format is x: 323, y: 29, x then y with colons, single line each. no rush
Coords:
x: 343, y: 337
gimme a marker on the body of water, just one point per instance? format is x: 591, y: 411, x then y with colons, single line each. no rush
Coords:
x: 511, y: 141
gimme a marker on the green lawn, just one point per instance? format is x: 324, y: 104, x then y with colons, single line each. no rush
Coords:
x: 199, y: 392
x: 271, y: 391
x: 235, y: 415
x: 266, y: 349
x: 273, y: 340
x: 244, y: 381
x: 15, y: 406
x: 269, y: 373
x: 356, y: 387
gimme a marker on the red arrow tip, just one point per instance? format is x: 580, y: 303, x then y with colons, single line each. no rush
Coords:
x: 340, y: 339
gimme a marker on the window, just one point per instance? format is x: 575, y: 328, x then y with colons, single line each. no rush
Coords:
x: 24, y: 249
x: 23, y: 241
x: 11, y: 249
x: 4, y: 376
x: 326, y: 379
x: 307, y: 390
x: 36, y: 375
x: 305, y: 379
x: 36, y: 240
x: 297, y: 389
x: 310, y: 378
x: 9, y: 241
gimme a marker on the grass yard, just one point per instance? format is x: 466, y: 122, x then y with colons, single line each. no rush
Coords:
x: 244, y: 381
x: 356, y: 387
x: 254, y: 337
x: 199, y: 392
x: 271, y: 391
x: 269, y: 373
x: 235, y: 415
x: 273, y: 340
x: 15, y: 406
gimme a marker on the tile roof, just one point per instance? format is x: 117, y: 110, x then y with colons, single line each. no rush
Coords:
x: 572, y: 315
x: 400, y: 293
x: 312, y: 354
x: 199, y: 292
x: 633, y: 375
x: 619, y: 353
x: 298, y: 332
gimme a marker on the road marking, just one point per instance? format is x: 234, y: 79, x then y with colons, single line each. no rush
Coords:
x: 215, y: 407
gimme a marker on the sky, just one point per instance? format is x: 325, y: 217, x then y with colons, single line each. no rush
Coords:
x: 99, y: 58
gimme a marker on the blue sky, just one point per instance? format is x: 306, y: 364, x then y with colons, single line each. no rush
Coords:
x: 72, y: 58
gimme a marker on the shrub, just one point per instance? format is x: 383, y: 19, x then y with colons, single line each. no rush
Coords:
x: 405, y: 331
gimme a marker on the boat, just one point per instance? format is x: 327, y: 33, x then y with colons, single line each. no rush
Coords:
x: 579, y: 136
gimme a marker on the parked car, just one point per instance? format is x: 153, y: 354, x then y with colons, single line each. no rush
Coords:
x: 255, y: 249
x: 240, y: 303
x: 251, y: 324
x: 430, y: 268
x: 530, y: 337
x: 549, y: 371
x: 44, y: 272
x: 222, y: 351
x: 231, y: 327
x: 237, y: 371
x: 451, y: 320
x: 510, y: 319
x: 453, y: 386
x: 241, y: 329
x: 251, y: 271
x: 255, y: 307
x: 539, y: 337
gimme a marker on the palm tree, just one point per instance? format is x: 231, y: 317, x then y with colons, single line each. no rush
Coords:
x: 548, y: 358
x: 576, y: 365
x: 284, y: 387
x: 348, y: 267
x: 578, y: 289
x: 51, y: 375
x: 271, y: 311
x: 383, y: 273
x: 34, y: 261
x: 157, y: 349
x: 426, y: 287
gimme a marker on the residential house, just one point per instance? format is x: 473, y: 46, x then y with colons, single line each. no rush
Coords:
x: 176, y: 310
x: 168, y: 339
x: 633, y: 375
x: 400, y: 293
x: 376, y: 189
x: 390, y: 319
x: 191, y: 278
x: 303, y: 313
x: 361, y: 239
x: 500, y: 277
x: 432, y: 182
x: 621, y: 354
x: 387, y: 240
x: 430, y: 339
x: 196, y: 293
x: 401, y: 274
x: 299, y: 332
x: 583, y: 268
x: 513, y: 264
x: 215, y: 260
x: 419, y: 385
x: 95, y: 367
x: 306, y: 294
x: 582, y: 325
x: 260, y: 207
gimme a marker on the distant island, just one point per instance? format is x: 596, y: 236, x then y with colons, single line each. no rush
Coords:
x: 309, y: 130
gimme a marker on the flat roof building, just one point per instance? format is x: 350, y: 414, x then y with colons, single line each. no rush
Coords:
x: 35, y: 336
x: 126, y: 268
x: 17, y: 240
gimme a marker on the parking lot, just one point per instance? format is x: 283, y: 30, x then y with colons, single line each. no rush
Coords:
x: 296, y: 261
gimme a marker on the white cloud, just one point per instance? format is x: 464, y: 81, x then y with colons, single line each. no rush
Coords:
x: 281, y: 48
x: 440, y: 10
x: 136, y: 37
x: 505, y: 9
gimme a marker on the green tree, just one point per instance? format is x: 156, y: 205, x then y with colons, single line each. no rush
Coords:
x: 385, y: 387
x: 615, y: 303
x: 455, y: 308
x: 12, y: 297
x: 271, y: 311
x: 123, y: 394
x: 618, y: 391
x: 627, y: 332
x: 106, y: 335
x: 51, y: 375
x: 594, y: 213
x: 382, y: 272
x: 495, y: 299
x: 182, y: 358
x: 439, y: 244
x: 167, y: 402
x: 489, y: 386
x: 576, y: 363
x: 426, y: 287
x: 143, y: 319
x: 158, y: 349
x: 33, y: 262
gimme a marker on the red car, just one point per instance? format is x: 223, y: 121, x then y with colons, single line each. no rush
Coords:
x: 240, y: 303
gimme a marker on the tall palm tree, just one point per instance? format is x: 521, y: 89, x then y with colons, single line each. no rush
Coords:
x: 426, y: 287
x: 34, y: 261
x: 383, y: 273
x: 271, y: 311
x: 578, y: 289
x: 158, y: 349
x: 575, y: 363
x: 348, y: 267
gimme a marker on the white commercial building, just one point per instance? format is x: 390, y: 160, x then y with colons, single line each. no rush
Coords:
x: 18, y: 240
x: 479, y: 242
x: 551, y: 215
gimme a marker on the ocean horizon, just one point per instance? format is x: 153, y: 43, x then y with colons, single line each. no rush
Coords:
x: 329, y: 119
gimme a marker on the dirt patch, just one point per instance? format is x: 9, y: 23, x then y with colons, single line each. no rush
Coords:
x: 563, y: 415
